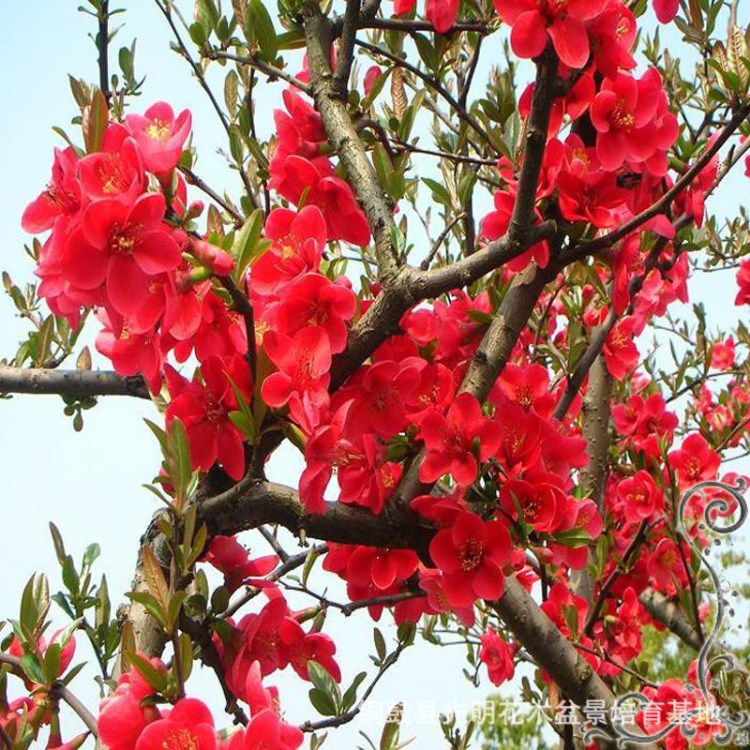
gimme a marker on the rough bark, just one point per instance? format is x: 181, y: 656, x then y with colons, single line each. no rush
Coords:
x: 78, y: 383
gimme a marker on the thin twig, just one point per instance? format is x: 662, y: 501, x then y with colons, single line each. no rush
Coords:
x: 193, y: 179
x: 102, y: 43
x: 253, y: 61
x: 62, y: 692
x: 165, y: 7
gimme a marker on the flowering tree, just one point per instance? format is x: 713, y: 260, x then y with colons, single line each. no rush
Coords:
x: 450, y: 291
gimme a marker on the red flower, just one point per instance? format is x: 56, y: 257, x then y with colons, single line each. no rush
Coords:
x: 371, y: 77
x: 471, y: 555
x: 665, y: 569
x: 528, y: 386
x: 313, y: 300
x: 131, y: 353
x: 449, y: 441
x: 534, y: 21
x: 188, y: 725
x: 302, y: 381
x: 300, y: 129
x: 743, y: 282
x: 612, y: 36
x: 495, y: 225
x: 566, y: 610
x: 694, y: 462
x: 124, y: 715
x: 497, y: 657
x: 520, y: 442
x: 639, y: 496
x: 204, y: 406
x: 266, y: 729
x: 297, y: 246
x: 160, y: 136
x: 227, y: 555
x: 441, y: 13
x: 620, y: 352
x: 666, y: 10
x: 723, y: 354
x: 116, y: 172
x: 123, y: 245
x: 220, y: 331
x: 383, y: 568
x: 539, y: 497
x: 632, y: 121
x: 293, y: 176
x: 62, y: 198
x: 382, y: 393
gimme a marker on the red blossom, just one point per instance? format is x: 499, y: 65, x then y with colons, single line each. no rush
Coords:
x: 204, y: 405
x: 534, y: 22
x: 121, y: 246
x: 471, y: 556
x: 694, y: 462
x: 188, y: 725
x: 449, y: 441
x: 304, y: 361
x: 497, y: 656
x: 160, y: 136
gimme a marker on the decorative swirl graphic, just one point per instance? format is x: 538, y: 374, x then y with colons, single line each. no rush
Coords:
x: 717, y: 515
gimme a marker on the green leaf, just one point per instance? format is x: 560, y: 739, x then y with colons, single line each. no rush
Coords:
x: 57, y: 541
x: 259, y: 30
x: 220, y: 600
x: 179, y: 465
x: 322, y: 702
x: 572, y: 537
x: 323, y: 681
x: 198, y: 34
x: 153, y: 676
x: 231, y: 87
x: 185, y: 648
x: 94, y: 122
x: 380, y: 647
x: 52, y: 660
x: 350, y: 695
x: 248, y: 246
x: 150, y: 603
x: 154, y: 577
x: 33, y: 669
x: 207, y: 15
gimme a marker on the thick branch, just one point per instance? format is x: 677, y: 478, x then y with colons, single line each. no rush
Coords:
x: 410, y: 286
x: 346, y: 48
x: 670, y: 615
x: 77, y: 383
x: 501, y: 337
x: 345, y: 141
x: 551, y: 650
x: 250, y: 504
x: 595, y: 430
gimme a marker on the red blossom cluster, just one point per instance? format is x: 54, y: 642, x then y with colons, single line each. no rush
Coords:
x: 120, y: 243
x: 131, y: 719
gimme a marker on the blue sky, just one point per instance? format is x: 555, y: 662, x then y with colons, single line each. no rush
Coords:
x: 89, y: 483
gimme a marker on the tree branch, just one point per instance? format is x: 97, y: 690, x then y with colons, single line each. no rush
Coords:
x: 253, y: 61
x: 77, y: 383
x: 345, y: 56
x: 551, y: 650
x: 345, y: 140
x: 595, y: 431
x: 102, y: 44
